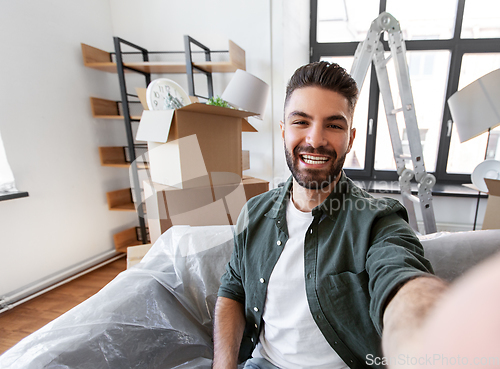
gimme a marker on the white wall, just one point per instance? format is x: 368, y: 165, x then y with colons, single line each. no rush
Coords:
x: 51, y: 140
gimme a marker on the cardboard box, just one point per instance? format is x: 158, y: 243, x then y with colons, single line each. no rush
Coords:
x: 199, y: 206
x: 245, y: 160
x: 136, y: 253
x: 192, y: 142
x: 492, y: 214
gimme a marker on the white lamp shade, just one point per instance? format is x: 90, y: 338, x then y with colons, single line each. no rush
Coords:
x: 476, y: 107
x: 247, y: 92
x: 487, y: 169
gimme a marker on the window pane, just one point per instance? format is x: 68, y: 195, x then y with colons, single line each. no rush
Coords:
x: 424, y: 19
x: 464, y: 157
x: 342, y: 21
x: 428, y: 74
x: 477, y: 65
x: 7, y: 183
x: 481, y: 19
x: 356, y: 158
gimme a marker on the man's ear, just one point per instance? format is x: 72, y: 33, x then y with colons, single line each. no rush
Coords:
x: 282, y: 127
x: 352, y: 136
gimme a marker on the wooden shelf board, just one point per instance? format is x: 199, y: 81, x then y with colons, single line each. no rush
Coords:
x: 166, y: 68
x: 158, y: 67
x: 125, y: 239
x: 217, y: 67
x: 109, y: 67
x: 125, y: 165
x: 136, y: 117
x: 101, y: 60
x: 121, y: 200
x: 124, y: 207
x: 114, y: 156
x: 107, y: 109
x: 146, y: 67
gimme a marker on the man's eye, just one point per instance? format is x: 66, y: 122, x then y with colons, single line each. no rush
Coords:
x: 300, y: 122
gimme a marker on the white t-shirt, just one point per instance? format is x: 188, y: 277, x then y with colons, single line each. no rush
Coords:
x: 290, y: 337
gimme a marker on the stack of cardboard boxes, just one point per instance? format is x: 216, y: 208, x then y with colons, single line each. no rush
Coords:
x: 195, y: 166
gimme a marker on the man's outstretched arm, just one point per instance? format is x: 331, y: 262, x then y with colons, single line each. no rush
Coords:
x: 406, y: 313
x: 228, y: 331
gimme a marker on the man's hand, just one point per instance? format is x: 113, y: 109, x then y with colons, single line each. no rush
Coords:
x: 228, y: 331
x: 462, y: 328
x: 406, y: 313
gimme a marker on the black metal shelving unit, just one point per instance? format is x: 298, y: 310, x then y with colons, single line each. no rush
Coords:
x: 128, y: 124
x: 125, y: 104
x: 190, y: 68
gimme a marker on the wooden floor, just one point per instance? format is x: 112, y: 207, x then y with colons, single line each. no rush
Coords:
x: 26, y: 318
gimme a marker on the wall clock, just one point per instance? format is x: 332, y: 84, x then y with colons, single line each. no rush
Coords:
x: 164, y: 94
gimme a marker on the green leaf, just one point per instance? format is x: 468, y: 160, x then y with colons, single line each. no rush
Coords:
x: 217, y: 101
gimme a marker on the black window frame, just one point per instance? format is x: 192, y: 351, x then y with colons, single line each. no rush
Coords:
x: 457, y: 47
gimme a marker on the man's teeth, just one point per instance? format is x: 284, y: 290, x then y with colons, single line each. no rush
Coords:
x: 308, y: 159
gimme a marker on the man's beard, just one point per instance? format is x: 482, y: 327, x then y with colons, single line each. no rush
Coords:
x: 314, y: 179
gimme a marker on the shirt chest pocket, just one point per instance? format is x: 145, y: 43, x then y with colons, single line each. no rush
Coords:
x: 347, y: 299
x: 348, y: 281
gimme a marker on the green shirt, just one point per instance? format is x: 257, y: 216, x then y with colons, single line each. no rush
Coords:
x: 357, y: 251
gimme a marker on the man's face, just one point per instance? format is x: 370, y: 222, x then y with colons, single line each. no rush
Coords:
x: 317, y: 135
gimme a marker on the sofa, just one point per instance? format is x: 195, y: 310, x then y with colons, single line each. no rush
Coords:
x: 158, y: 314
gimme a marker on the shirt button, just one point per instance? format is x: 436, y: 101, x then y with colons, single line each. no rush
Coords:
x: 278, y: 243
x: 251, y: 339
x: 256, y: 309
x: 262, y: 280
x: 311, y: 231
x: 256, y: 326
x: 318, y: 317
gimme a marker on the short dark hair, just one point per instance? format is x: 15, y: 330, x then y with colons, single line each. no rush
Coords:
x: 330, y: 76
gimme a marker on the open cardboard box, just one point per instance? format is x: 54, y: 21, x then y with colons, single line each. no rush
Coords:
x: 492, y: 214
x: 199, y: 206
x: 191, y: 142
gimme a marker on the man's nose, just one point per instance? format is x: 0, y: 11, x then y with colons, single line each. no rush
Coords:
x: 315, y: 136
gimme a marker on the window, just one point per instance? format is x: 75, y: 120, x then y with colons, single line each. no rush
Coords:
x: 8, y: 188
x: 341, y: 20
x: 449, y: 43
x: 481, y: 19
x: 7, y: 184
x: 467, y: 155
x: 356, y: 158
x: 428, y: 70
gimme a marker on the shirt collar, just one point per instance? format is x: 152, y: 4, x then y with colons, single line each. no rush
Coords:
x: 335, y: 201
x: 329, y: 207
x: 281, y: 199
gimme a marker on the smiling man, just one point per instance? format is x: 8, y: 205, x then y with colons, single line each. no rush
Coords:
x: 317, y: 135
x: 320, y: 268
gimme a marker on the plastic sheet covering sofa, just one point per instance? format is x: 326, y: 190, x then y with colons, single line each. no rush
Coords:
x: 158, y: 314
